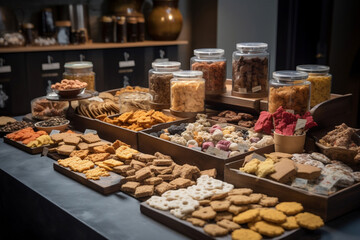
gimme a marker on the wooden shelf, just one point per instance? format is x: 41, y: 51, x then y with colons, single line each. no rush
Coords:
x: 91, y: 46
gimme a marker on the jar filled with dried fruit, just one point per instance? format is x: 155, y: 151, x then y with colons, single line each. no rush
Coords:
x: 159, y: 83
x: 212, y: 63
x: 187, y: 93
x: 290, y: 90
x: 250, y: 70
x: 82, y: 71
x: 320, y: 82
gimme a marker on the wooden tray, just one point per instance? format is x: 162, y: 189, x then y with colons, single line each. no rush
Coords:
x: 328, y: 207
x: 194, y: 232
x: 182, y: 154
x: 23, y: 147
x: 105, y: 185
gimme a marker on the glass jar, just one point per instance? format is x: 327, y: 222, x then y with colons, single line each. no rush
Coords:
x: 141, y: 29
x: 43, y: 109
x: 28, y: 31
x: 250, y: 70
x: 187, y: 93
x: 212, y: 63
x: 159, y: 83
x: 320, y: 82
x: 63, y: 32
x: 131, y: 28
x: 133, y: 101
x: 107, y: 29
x: 121, y: 29
x: 290, y: 90
x: 82, y: 71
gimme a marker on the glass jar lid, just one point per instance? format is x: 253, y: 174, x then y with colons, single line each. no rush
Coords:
x: 209, y: 52
x: 188, y: 74
x: 289, y: 75
x: 78, y: 67
x: 166, y: 66
x: 313, y: 68
x: 252, y: 47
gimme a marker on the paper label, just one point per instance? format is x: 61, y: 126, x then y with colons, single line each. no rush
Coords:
x: 54, y: 132
x: 242, y: 90
x: 197, y: 148
x: 90, y: 131
x: 290, y: 111
x: 300, y: 124
x: 299, y: 183
x: 329, y: 181
x: 45, y: 151
x: 256, y: 89
x: 217, y: 152
x: 126, y: 64
x: 321, y: 190
x: 50, y: 66
x: 257, y: 156
x: 5, y: 69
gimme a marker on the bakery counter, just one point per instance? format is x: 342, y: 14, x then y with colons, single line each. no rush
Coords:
x: 38, y: 202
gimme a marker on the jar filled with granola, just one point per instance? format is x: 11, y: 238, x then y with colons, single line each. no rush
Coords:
x: 187, y: 93
x: 290, y: 90
x: 133, y: 101
x: 82, y: 71
x: 320, y: 82
x: 159, y: 83
x: 212, y: 63
x: 250, y: 70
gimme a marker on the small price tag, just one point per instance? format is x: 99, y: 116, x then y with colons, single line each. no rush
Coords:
x: 45, y: 151
x: 90, y: 131
x: 126, y: 64
x: 321, y: 190
x: 290, y: 111
x: 5, y: 69
x: 300, y: 124
x: 217, y: 152
x: 54, y: 132
x: 257, y: 156
x: 50, y: 66
x: 329, y: 181
x: 242, y: 90
x: 256, y: 89
x: 197, y: 148
x: 299, y: 183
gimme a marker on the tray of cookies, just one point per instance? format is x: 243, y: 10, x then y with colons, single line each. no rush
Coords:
x: 203, y: 142
x: 213, y: 209
x: 314, y: 180
x: 29, y: 140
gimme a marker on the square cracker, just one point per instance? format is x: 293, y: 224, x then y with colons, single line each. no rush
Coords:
x: 144, y: 191
x: 130, y: 187
x: 90, y: 138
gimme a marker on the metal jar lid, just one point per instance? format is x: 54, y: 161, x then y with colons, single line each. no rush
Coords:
x: 313, y: 68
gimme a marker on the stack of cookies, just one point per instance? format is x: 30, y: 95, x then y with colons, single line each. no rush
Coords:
x: 220, y: 210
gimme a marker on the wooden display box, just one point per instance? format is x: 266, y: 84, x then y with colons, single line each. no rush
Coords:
x: 328, y: 207
x: 182, y: 154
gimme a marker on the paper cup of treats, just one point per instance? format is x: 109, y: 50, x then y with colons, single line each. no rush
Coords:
x: 289, y: 144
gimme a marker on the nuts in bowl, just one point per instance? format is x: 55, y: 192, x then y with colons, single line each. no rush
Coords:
x: 54, y: 123
x: 69, y: 88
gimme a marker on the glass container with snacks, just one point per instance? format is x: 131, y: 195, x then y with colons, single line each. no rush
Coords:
x: 159, y: 83
x: 320, y: 82
x: 42, y: 109
x: 290, y: 90
x: 250, y: 70
x: 187, y: 93
x: 82, y: 71
x: 212, y: 63
x: 133, y: 101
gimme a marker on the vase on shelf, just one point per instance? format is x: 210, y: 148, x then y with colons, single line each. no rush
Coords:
x: 165, y: 20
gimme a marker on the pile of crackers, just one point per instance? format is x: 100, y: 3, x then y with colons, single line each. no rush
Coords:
x: 93, y: 109
x: 138, y: 120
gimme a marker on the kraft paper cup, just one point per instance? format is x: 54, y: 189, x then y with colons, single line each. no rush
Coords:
x: 289, y: 144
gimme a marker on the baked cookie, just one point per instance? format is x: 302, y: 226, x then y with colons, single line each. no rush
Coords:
x: 205, y: 213
x: 204, y: 202
x: 223, y: 215
x: 289, y: 208
x: 237, y: 209
x: 247, y: 216
x: 219, y: 196
x: 215, y: 230
x: 290, y: 223
x: 309, y: 221
x: 269, y: 201
x: 251, y: 226
x: 220, y: 206
x: 229, y: 225
x: 240, y: 191
x: 241, y: 234
x: 240, y: 199
x: 255, y: 197
x: 268, y: 229
x: 272, y: 215
x: 196, y: 222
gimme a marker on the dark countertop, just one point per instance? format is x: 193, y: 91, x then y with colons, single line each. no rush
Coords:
x: 39, y: 201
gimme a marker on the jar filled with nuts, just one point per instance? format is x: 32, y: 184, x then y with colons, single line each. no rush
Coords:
x: 187, y: 93
x: 250, y: 70
x: 212, y: 63
x: 159, y: 83
x: 290, y: 90
x: 82, y: 71
x: 320, y: 82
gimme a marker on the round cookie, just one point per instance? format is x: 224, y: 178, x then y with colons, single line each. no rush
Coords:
x: 229, y: 225
x: 309, y: 221
x: 255, y: 197
x: 237, y: 209
x: 243, y: 233
x: 269, y: 201
x: 223, y: 215
x: 204, y: 202
x: 196, y: 222
x: 272, y: 215
x: 220, y: 206
x: 247, y: 216
x: 215, y: 230
x: 241, y: 191
x: 240, y: 199
x: 268, y: 229
x: 290, y: 223
x: 219, y: 196
x: 204, y: 213
x: 289, y: 208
